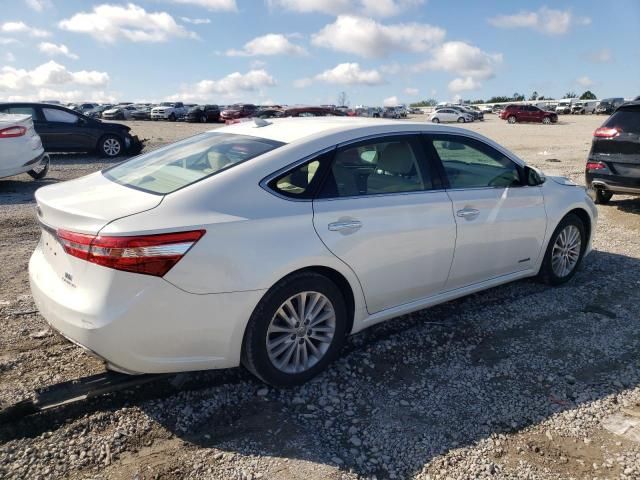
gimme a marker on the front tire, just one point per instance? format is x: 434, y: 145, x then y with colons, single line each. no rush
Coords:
x: 564, y: 252
x: 203, y: 119
x: 461, y: 120
x: 296, y: 330
x: 546, y: 120
x: 172, y: 117
x: 435, y: 120
x: 110, y: 146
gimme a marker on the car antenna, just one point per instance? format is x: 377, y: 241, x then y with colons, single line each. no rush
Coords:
x: 261, y: 122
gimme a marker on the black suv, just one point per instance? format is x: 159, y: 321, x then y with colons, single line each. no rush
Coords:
x: 203, y: 114
x: 614, y: 160
x: 63, y: 130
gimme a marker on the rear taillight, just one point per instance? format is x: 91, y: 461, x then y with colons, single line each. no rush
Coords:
x: 146, y: 254
x: 596, y: 166
x: 606, y: 132
x: 12, y: 132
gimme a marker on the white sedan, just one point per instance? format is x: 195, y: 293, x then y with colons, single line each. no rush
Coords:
x: 450, y: 115
x: 267, y: 243
x: 20, y: 147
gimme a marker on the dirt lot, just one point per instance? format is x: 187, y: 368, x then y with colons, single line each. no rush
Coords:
x: 522, y: 381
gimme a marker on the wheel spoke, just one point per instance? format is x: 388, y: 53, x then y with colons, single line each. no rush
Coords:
x: 321, y: 318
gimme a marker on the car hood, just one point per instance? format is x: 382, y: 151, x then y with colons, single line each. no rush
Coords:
x: 112, y: 110
x: 230, y: 111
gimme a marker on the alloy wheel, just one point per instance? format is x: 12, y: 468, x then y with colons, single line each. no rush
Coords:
x: 301, y: 332
x: 111, y: 147
x: 566, y: 251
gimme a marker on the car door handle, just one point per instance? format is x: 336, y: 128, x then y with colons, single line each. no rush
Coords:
x: 469, y: 213
x: 345, y: 225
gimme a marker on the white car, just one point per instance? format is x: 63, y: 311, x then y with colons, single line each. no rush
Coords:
x: 450, y: 115
x: 168, y: 111
x: 267, y: 243
x: 21, y: 148
x: 119, y: 112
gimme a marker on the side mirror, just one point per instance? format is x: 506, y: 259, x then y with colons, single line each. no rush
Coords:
x: 533, y: 176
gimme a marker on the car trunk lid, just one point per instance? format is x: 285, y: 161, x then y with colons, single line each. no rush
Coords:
x: 87, y: 204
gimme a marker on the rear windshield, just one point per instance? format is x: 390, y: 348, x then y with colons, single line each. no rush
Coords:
x: 186, y: 162
x: 626, y: 120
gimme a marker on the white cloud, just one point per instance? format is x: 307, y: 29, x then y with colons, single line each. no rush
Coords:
x: 52, y: 50
x: 378, y: 8
x: 220, y: 5
x: 463, y: 84
x: 9, y: 57
x: 196, y: 21
x: 350, y: 74
x: 462, y: 59
x: 51, y: 81
x: 391, y: 102
x: 257, y: 64
x: 585, y: 81
x: 230, y: 86
x: 601, y: 56
x: 38, y: 5
x: 545, y: 20
x: 21, y: 27
x: 270, y: 44
x: 411, y: 91
x: 8, y: 41
x: 368, y: 38
x: 108, y: 23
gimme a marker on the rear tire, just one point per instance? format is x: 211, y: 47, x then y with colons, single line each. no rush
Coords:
x: 564, y: 254
x: 512, y: 119
x: 172, y: 117
x: 40, y: 173
x: 600, y: 196
x: 461, y: 120
x: 267, y: 325
x: 203, y: 119
x: 546, y: 120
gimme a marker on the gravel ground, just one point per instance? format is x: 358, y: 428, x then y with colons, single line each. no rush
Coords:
x: 521, y: 381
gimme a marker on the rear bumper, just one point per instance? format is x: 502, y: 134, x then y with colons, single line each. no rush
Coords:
x: 29, y: 165
x: 143, y: 324
x: 613, y: 183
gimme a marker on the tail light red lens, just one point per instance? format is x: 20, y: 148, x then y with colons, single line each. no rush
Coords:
x: 596, y: 166
x: 146, y: 254
x: 606, y: 132
x: 12, y: 132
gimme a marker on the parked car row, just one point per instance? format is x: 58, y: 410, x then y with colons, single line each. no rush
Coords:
x: 455, y: 113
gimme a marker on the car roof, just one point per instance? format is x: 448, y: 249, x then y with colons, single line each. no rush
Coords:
x: 634, y: 105
x: 290, y: 130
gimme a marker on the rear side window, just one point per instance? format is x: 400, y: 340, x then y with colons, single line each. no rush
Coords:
x: 186, y: 162
x: 626, y: 120
x: 383, y: 166
x: 22, y: 111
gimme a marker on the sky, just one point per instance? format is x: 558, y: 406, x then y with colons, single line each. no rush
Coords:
x: 309, y: 51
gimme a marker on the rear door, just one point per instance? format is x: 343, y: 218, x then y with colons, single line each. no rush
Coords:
x: 500, y: 223
x: 382, y: 211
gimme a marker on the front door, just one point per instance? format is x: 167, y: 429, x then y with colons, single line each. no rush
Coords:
x: 382, y: 212
x: 500, y: 222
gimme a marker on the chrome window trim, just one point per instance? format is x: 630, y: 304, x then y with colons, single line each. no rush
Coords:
x: 352, y: 197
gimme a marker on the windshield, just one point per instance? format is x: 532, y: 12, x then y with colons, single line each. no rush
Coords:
x: 166, y: 104
x: 186, y: 162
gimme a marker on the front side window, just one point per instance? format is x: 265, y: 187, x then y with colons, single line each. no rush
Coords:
x: 186, y: 162
x: 383, y: 166
x: 62, y: 116
x: 469, y: 163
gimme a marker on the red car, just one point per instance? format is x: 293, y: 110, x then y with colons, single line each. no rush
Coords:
x: 527, y: 113
x: 239, y: 110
